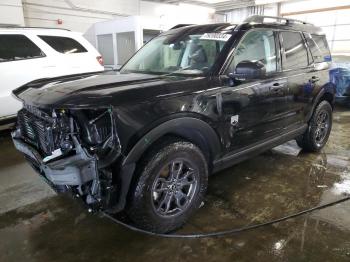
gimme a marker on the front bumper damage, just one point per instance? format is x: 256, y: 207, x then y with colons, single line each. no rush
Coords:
x: 69, y: 172
x: 74, y: 170
x: 85, y: 154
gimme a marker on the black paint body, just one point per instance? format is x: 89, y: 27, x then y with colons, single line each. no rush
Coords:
x: 147, y: 107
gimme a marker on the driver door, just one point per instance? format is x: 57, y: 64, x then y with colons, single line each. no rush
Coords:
x: 252, y: 110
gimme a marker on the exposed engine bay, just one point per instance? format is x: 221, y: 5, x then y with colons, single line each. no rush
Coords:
x: 72, y: 149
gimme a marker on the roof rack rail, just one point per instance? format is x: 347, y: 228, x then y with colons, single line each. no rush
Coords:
x: 260, y: 20
x: 180, y: 25
x: 31, y: 27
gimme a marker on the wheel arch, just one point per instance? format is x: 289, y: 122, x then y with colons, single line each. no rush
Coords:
x: 191, y: 129
x: 327, y: 93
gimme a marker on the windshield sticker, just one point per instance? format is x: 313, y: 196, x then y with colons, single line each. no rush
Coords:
x: 216, y: 36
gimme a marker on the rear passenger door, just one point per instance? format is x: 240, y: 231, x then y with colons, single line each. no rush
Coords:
x: 319, y: 76
x: 297, y: 67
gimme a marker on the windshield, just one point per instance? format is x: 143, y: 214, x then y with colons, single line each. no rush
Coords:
x: 191, y: 54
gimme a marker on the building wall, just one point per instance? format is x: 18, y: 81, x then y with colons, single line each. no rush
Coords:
x: 77, y: 15
x: 236, y: 16
x: 11, y: 12
x: 165, y: 16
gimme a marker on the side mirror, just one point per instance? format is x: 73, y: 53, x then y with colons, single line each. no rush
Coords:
x: 246, y: 70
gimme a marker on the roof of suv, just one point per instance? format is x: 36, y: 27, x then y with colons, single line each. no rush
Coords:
x: 36, y: 30
x: 39, y: 31
x: 31, y: 28
x: 251, y: 22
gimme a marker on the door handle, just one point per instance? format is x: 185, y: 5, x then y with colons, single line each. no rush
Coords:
x: 276, y: 87
x: 314, y: 79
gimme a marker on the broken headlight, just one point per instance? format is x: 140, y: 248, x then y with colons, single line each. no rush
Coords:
x: 98, y: 133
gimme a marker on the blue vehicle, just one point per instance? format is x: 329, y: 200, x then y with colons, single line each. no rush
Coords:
x: 340, y: 77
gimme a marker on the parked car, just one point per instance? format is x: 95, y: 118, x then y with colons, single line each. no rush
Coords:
x: 193, y: 101
x: 340, y: 77
x: 27, y: 54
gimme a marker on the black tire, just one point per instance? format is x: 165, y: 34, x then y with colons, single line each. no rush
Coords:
x: 148, y: 205
x: 317, y: 134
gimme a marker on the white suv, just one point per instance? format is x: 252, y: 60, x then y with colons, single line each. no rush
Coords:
x: 28, y: 54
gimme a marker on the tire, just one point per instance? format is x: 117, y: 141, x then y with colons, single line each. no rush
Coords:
x: 317, y: 134
x: 161, y: 204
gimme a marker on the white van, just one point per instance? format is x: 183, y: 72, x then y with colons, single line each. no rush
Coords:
x: 28, y: 54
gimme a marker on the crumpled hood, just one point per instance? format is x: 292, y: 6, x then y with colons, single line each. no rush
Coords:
x: 90, y: 90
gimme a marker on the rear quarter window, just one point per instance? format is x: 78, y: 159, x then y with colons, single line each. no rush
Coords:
x: 319, y: 48
x: 64, y: 45
x: 15, y: 47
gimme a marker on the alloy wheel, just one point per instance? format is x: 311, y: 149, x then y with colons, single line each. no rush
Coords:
x: 174, y: 187
x: 322, y: 127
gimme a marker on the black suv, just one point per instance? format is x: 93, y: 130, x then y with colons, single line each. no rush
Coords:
x: 193, y: 101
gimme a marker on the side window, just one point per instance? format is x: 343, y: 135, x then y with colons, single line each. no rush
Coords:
x: 257, y: 46
x: 212, y: 49
x: 295, y: 51
x: 63, y: 45
x: 319, y: 47
x: 18, y: 47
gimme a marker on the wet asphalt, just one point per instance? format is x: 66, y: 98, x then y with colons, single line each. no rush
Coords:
x: 38, y: 225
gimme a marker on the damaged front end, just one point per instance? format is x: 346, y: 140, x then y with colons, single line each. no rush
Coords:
x: 73, y: 150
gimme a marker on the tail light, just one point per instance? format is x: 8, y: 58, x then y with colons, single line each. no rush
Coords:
x: 100, y: 60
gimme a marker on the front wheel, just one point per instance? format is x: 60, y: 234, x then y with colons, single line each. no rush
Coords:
x: 320, y: 126
x: 171, y: 185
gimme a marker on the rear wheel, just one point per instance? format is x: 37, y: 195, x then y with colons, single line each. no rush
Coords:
x: 320, y: 126
x: 171, y: 186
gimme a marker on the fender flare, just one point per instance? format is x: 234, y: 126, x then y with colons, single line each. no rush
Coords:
x: 326, y: 89
x: 183, y: 127
x: 177, y: 126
